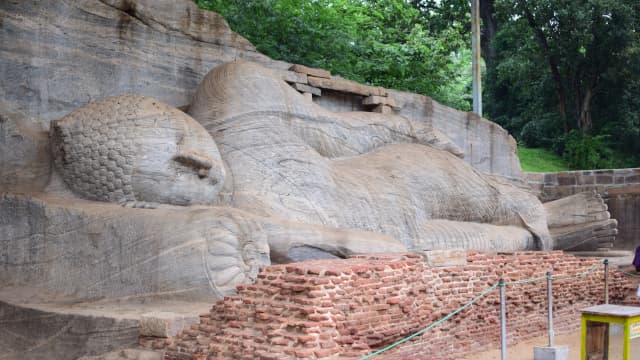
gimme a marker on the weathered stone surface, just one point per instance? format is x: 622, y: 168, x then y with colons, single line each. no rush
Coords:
x: 62, y: 55
x: 136, y: 149
x: 313, y: 164
x: 163, y: 50
x: 164, y: 324
x: 581, y: 222
x: 307, y: 89
x: 127, y: 354
x: 624, y: 205
x: 293, y: 180
x: 622, y: 197
x: 347, y: 86
x: 31, y: 333
x: 383, y: 109
x: 487, y: 146
x: 25, y: 161
x: 291, y: 76
x: 551, y: 352
x: 377, y: 100
x: 321, y: 73
x: 106, y: 251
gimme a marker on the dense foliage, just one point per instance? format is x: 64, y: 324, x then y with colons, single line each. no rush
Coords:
x: 541, y: 160
x: 564, y: 77
x: 387, y: 43
x: 560, y: 74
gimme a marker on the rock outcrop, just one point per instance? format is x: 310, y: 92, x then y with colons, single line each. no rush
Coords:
x: 114, y: 203
x: 62, y: 55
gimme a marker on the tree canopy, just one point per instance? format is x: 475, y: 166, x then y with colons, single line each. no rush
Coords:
x: 388, y: 43
x: 560, y: 74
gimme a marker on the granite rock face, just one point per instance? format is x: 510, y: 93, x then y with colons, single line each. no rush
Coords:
x: 92, y: 250
x: 60, y: 55
x: 25, y: 159
x: 37, y: 334
x: 356, y: 170
x: 121, y: 200
x: 64, y: 55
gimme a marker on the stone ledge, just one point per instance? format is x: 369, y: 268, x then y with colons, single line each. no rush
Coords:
x: 321, y: 73
x: 291, y: 76
x: 380, y: 100
x: 164, y: 324
x: 347, y: 86
x: 307, y: 89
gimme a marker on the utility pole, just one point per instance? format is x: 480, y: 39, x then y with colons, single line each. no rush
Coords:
x: 475, y: 54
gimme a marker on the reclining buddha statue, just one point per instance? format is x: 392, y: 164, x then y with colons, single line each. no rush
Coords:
x: 147, y: 201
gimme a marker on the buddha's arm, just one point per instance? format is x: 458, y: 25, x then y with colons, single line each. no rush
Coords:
x: 291, y: 241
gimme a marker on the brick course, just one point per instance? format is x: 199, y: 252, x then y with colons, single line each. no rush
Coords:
x: 552, y: 186
x: 349, y: 308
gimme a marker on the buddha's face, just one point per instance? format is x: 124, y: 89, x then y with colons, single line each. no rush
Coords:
x: 134, y: 148
x: 177, y: 165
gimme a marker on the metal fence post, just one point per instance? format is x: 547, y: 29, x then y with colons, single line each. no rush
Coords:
x: 550, y: 306
x: 503, y: 322
x: 606, y: 281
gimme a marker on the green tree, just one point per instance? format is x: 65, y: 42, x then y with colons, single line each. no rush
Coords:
x: 389, y: 43
x: 563, y: 65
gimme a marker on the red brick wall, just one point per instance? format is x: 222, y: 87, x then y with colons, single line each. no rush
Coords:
x: 352, y: 307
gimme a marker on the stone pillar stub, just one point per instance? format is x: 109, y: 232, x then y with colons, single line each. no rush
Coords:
x: 560, y: 352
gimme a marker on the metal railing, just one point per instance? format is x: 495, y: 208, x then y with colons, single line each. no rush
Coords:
x: 503, y: 305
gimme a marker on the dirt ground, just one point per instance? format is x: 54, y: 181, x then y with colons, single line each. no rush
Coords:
x: 524, y: 350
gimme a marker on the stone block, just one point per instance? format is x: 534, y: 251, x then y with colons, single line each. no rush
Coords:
x: 165, y: 324
x: 534, y: 177
x: 379, y: 100
x: 632, y: 179
x: 550, y: 179
x: 441, y: 258
x: 308, y: 96
x: 291, y: 76
x: 560, y: 352
x: 347, y: 86
x: 604, y: 179
x: 566, y: 179
x: 586, y: 179
x: 307, y: 89
x: 321, y: 73
x: 618, y: 179
x: 383, y: 109
x: 126, y: 354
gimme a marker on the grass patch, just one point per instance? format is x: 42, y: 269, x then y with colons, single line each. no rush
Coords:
x: 540, y: 160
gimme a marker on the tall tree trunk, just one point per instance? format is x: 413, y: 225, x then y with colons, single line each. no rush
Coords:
x: 584, y: 115
x: 553, y: 65
x: 489, y: 30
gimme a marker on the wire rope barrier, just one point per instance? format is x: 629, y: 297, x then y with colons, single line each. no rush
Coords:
x: 445, y: 318
x: 501, y: 284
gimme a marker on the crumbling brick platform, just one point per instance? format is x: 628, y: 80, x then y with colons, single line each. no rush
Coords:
x: 349, y: 308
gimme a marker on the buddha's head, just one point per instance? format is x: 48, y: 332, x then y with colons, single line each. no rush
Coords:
x: 135, y: 148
